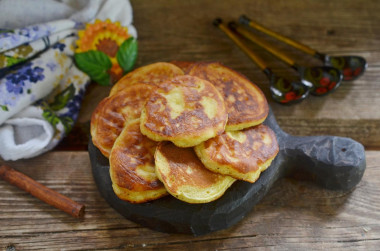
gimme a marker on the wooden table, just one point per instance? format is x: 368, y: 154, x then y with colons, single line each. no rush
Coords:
x: 294, y: 214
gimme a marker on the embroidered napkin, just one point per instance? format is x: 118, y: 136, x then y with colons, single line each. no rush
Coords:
x: 40, y: 87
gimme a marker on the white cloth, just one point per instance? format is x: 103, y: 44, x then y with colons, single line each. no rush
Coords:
x: 29, y: 128
x: 27, y: 132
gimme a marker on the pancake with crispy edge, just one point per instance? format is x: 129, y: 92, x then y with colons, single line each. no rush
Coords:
x: 185, y: 110
x: 151, y: 74
x: 245, y: 102
x: 132, y: 167
x: 114, y: 112
x: 240, y: 154
x: 185, y: 177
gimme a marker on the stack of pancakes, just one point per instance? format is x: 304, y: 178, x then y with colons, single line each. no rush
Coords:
x: 186, y: 129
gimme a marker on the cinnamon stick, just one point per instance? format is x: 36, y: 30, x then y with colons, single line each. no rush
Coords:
x: 40, y: 191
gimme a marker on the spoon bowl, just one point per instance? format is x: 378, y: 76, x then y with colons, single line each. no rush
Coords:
x: 284, y: 91
x: 352, y: 67
x: 321, y: 79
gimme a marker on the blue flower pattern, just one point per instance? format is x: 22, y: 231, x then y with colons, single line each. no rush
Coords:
x: 23, y: 78
x: 73, y: 106
x: 52, y: 66
x: 20, y: 81
x: 14, y: 38
x: 59, y: 46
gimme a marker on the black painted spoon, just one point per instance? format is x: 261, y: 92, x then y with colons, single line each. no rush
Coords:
x: 282, y: 90
x: 321, y: 79
x: 352, y: 67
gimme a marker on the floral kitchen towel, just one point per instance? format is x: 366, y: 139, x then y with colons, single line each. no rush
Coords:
x: 25, y: 51
x: 34, y: 80
x: 41, y: 126
x: 41, y: 89
x: 12, y: 38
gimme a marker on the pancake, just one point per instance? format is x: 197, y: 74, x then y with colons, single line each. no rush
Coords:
x: 132, y: 167
x: 114, y: 112
x: 245, y: 102
x: 185, y: 177
x: 184, y: 65
x: 152, y: 74
x: 185, y: 110
x: 240, y: 154
x: 94, y: 128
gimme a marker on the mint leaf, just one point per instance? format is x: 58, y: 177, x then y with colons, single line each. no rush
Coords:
x: 127, y: 54
x: 95, y: 64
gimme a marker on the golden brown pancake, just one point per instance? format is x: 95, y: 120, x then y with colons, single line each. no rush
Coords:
x: 132, y: 167
x: 94, y: 121
x: 184, y: 65
x: 185, y: 177
x: 185, y: 110
x: 240, y: 154
x: 152, y: 74
x: 245, y: 102
x: 114, y: 112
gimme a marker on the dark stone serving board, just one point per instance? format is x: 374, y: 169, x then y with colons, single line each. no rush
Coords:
x: 332, y: 162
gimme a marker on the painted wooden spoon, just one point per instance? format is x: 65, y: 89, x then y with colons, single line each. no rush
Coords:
x: 282, y: 90
x: 352, y: 67
x: 321, y: 79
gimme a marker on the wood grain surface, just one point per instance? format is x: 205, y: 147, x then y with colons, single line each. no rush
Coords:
x: 294, y: 215
x: 182, y: 30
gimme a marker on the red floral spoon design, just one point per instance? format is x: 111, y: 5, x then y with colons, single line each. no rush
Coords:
x: 352, y: 67
x: 324, y: 79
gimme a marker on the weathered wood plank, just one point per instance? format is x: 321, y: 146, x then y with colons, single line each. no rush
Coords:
x: 182, y: 30
x: 294, y: 214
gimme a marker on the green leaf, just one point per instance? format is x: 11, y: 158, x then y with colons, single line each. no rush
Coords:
x: 51, y: 117
x: 61, y: 100
x: 6, y: 31
x: 334, y: 73
x: 67, y: 123
x: 95, y: 64
x: 127, y: 54
x: 337, y: 62
x: 281, y: 85
x: 312, y: 75
x: 12, y: 60
x: 4, y: 108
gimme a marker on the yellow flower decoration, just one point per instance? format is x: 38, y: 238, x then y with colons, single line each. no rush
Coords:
x: 106, y: 37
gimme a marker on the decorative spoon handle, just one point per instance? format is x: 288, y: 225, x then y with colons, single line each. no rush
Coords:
x: 250, y: 36
x: 245, y: 20
x: 259, y: 61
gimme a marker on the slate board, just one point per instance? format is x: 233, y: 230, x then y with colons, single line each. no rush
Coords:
x: 332, y: 162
